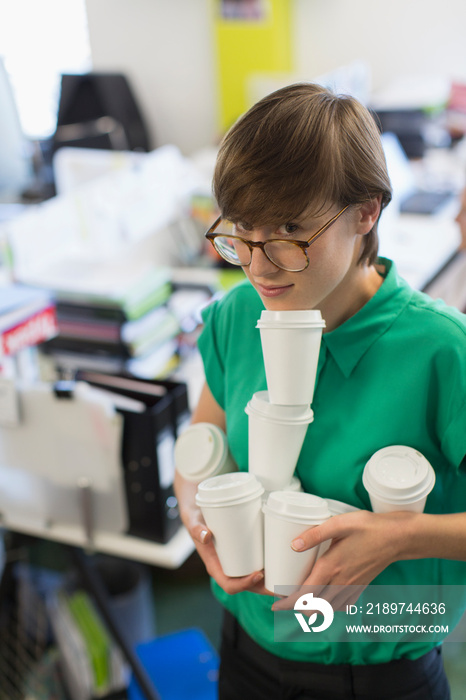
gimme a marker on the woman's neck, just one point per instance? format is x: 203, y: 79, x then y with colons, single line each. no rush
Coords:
x: 355, y: 291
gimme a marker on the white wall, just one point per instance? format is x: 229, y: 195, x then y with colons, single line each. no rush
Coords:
x: 166, y: 48
x: 396, y: 37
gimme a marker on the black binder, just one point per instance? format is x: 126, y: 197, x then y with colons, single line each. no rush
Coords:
x: 148, y: 450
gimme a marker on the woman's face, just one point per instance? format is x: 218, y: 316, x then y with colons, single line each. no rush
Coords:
x: 333, y: 282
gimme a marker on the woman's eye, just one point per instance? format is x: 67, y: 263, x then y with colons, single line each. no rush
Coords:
x: 288, y: 229
x: 242, y: 229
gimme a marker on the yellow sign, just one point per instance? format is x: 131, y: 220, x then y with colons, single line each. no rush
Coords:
x: 252, y: 36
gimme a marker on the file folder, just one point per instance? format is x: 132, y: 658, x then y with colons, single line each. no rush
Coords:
x: 148, y: 450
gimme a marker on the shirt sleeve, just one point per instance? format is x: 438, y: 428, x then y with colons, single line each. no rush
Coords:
x: 208, y: 344
x: 454, y: 439
x: 451, y: 401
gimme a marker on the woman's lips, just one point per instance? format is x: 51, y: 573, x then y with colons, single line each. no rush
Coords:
x: 274, y: 291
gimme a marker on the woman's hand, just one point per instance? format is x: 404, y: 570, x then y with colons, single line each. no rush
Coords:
x: 203, y: 540
x: 363, y: 544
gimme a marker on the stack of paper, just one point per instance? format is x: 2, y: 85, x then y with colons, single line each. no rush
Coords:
x: 113, y: 314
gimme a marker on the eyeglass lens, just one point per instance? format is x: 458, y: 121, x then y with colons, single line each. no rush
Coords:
x: 284, y: 254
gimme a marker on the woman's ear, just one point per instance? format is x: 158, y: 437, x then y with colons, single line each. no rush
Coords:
x: 367, y: 215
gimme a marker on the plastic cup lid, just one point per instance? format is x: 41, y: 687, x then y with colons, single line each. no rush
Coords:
x: 297, y: 506
x: 228, y: 488
x: 199, y: 448
x: 292, y: 316
x: 291, y: 319
x: 260, y: 405
x: 398, y: 473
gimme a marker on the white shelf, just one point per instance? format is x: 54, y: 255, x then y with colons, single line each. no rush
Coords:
x: 170, y: 555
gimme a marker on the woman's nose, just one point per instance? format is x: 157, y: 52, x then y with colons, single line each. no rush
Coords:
x: 260, y: 264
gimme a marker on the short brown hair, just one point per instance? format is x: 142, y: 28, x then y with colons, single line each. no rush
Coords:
x: 299, y: 149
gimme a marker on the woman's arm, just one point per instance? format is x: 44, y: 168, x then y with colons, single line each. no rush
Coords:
x: 399, y: 535
x: 365, y: 543
x: 208, y: 411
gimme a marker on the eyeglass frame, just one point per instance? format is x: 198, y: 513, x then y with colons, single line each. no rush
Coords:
x: 211, y: 236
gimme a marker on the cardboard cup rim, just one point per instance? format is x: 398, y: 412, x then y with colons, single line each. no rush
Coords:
x: 265, y: 325
x: 221, y: 503
x: 318, y: 520
x: 279, y: 421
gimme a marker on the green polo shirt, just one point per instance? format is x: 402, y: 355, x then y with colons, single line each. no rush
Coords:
x: 392, y: 374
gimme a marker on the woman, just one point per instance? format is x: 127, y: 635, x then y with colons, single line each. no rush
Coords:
x: 306, y: 165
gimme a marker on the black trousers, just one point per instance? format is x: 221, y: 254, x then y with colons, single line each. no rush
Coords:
x: 249, y: 672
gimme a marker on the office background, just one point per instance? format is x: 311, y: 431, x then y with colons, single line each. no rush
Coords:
x: 167, y: 50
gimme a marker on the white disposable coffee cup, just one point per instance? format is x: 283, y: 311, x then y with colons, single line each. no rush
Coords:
x: 338, y: 507
x: 202, y: 451
x: 286, y: 516
x: 290, y: 347
x: 398, y: 478
x: 232, y: 508
x: 276, y: 435
x: 294, y: 485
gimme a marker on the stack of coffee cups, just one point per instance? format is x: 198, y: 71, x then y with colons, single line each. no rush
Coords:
x: 232, y: 503
x: 279, y: 417
x: 278, y: 422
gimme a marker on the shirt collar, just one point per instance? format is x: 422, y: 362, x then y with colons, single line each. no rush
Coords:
x: 349, y: 342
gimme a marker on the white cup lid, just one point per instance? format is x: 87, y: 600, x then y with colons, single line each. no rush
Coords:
x: 306, y: 318
x: 260, y: 404
x: 228, y: 488
x: 297, y: 507
x: 199, y: 448
x: 312, y: 316
x: 398, y: 473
